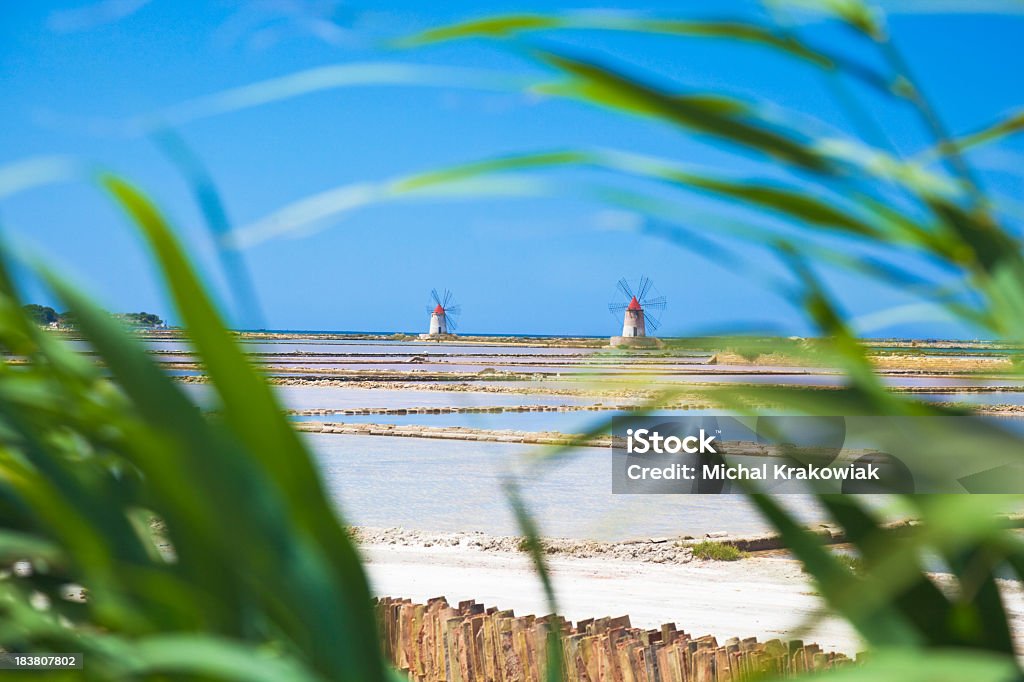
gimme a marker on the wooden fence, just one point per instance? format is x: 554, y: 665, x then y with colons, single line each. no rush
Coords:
x: 434, y: 642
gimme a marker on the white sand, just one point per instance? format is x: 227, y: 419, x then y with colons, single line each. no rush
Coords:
x: 764, y: 597
x: 761, y: 597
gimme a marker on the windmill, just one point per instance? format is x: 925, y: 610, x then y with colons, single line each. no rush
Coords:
x: 444, y: 313
x: 641, y: 310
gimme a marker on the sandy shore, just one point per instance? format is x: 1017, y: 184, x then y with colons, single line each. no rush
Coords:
x: 762, y: 597
x: 765, y: 597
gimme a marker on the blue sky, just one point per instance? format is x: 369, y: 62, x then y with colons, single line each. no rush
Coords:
x: 74, y: 73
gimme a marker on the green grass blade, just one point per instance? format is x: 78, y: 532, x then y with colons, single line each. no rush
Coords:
x: 884, y: 627
x: 608, y: 87
x: 325, y: 579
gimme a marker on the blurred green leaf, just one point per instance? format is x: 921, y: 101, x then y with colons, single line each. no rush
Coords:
x: 324, y: 577
x: 882, y: 627
x: 606, y: 86
x: 514, y: 24
x: 921, y: 602
x: 890, y: 664
x: 211, y: 658
x: 15, y: 546
x: 1006, y: 126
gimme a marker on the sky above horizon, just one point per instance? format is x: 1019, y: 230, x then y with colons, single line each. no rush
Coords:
x: 79, y: 78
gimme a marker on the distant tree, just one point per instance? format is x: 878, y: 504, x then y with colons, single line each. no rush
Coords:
x: 42, y: 314
x: 140, y: 319
x: 68, y: 319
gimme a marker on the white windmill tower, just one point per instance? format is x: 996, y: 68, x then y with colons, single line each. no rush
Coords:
x: 641, y: 311
x: 442, y: 315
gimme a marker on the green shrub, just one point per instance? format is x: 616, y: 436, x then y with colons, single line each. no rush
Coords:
x: 710, y: 550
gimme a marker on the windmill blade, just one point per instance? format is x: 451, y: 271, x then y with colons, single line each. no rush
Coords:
x: 658, y: 303
x: 447, y: 299
x: 645, y: 285
x: 617, y: 307
x: 450, y: 322
x: 624, y: 288
x: 454, y: 310
x: 437, y: 299
x: 651, y: 322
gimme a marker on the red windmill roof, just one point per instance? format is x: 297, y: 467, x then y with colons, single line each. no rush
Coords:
x: 439, y: 310
x: 634, y: 305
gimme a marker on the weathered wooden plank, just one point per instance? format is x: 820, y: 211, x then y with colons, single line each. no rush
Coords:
x: 473, y: 643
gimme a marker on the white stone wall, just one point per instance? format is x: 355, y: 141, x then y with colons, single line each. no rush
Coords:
x: 633, y: 323
x: 438, y: 325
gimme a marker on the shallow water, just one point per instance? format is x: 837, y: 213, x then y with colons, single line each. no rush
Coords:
x: 996, y: 398
x: 407, y: 347
x: 546, y: 370
x: 148, y: 344
x: 342, y: 398
x: 457, y: 486
x: 562, y: 422
x: 448, y: 485
x: 647, y: 381
x: 952, y: 351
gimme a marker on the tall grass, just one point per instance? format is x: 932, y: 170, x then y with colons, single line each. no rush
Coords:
x: 208, y: 547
